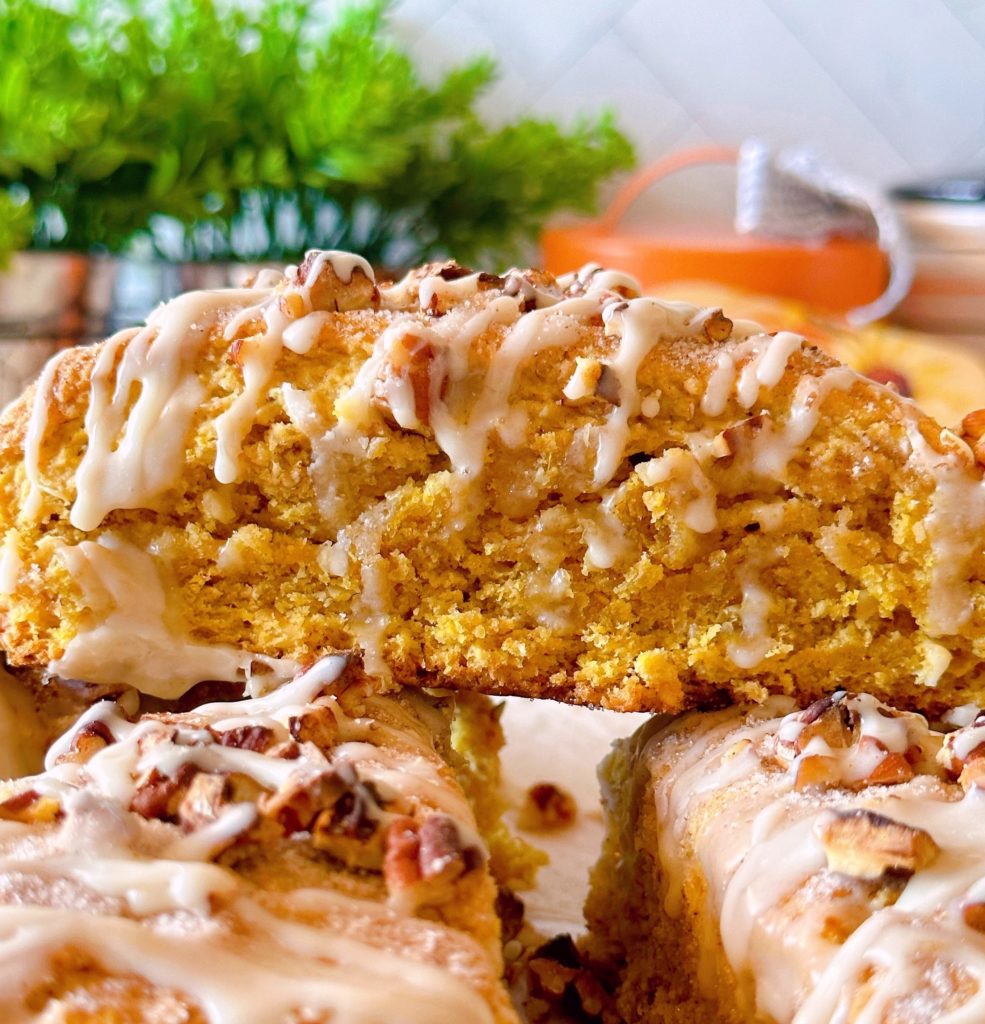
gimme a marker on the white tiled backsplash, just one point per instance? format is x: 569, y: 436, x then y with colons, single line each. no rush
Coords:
x: 891, y: 89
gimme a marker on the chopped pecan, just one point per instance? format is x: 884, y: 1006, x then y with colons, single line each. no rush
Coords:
x: 326, y: 290
x: 402, y: 846
x: 974, y: 916
x: 29, y: 807
x: 257, y: 738
x: 546, y: 807
x: 607, y: 386
x: 963, y: 747
x: 973, y: 433
x: 945, y: 442
x: 739, y: 437
x: 510, y: 911
x: 296, y: 805
x: 443, y: 855
x: 158, y: 796
x: 350, y: 830
x: 973, y: 775
x: 866, y: 845
x: 893, y: 769
x: 316, y: 725
x: 831, y: 720
x: 422, y: 861
x: 411, y: 361
x: 816, y: 770
x: 717, y: 326
x: 203, y: 801
x: 89, y: 740
x: 288, y: 750
x: 452, y: 271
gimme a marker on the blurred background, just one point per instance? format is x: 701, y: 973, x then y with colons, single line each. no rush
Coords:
x: 150, y: 147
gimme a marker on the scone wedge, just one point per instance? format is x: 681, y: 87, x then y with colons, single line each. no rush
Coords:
x: 781, y: 866
x: 514, y: 483
x: 304, y: 856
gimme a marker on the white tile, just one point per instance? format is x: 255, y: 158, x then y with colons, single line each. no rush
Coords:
x: 909, y: 65
x: 739, y: 72
x: 453, y: 38
x: 410, y: 19
x: 610, y: 75
x: 971, y: 14
x: 538, y: 39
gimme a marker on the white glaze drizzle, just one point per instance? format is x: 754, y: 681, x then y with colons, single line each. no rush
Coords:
x: 34, y: 433
x: 954, y: 529
x: 132, y: 637
x: 689, y: 488
x: 282, y: 328
x: 143, y: 396
x: 11, y: 564
x: 755, y: 641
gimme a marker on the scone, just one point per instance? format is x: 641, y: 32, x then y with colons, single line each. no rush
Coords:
x: 771, y: 865
x: 513, y: 484
x: 305, y: 856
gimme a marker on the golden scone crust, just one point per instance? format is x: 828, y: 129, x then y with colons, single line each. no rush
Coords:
x: 516, y: 484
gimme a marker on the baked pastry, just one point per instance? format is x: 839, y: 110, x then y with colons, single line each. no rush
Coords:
x: 304, y: 856
x: 516, y: 484
x: 943, y: 376
x: 773, y: 865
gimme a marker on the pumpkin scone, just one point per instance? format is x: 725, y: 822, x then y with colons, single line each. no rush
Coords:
x: 769, y: 865
x: 304, y: 856
x: 517, y: 484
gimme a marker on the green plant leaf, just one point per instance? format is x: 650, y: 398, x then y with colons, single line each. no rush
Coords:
x: 267, y: 128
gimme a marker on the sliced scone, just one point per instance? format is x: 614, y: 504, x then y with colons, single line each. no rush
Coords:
x: 771, y: 865
x: 304, y: 856
x: 521, y: 485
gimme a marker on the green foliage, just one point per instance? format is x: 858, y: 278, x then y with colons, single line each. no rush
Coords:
x: 16, y: 217
x: 215, y: 130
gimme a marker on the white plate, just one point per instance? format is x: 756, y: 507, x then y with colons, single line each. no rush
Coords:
x: 551, y: 742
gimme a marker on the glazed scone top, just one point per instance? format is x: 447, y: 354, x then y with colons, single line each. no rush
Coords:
x: 276, y: 858
x: 515, y: 482
x: 850, y: 833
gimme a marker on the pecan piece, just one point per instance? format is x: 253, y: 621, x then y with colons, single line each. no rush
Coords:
x: 316, y: 725
x: 974, y: 916
x: 88, y: 741
x: 816, y: 770
x: 963, y: 747
x: 546, y: 807
x: 409, y: 365
x: 443, y: 855
x: 158, y: 796
x: 296, y: 805
x: 318, y: 279
x: 258, y: 738
x: 717, y: 326
x: 869, y: 846
x: 402, y: 846
x: 973, y: 433
x: 350, y: 830
x: 830, y: 720
x: 203, y: 801
x: 422, y: 861
x: 30, y: 807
